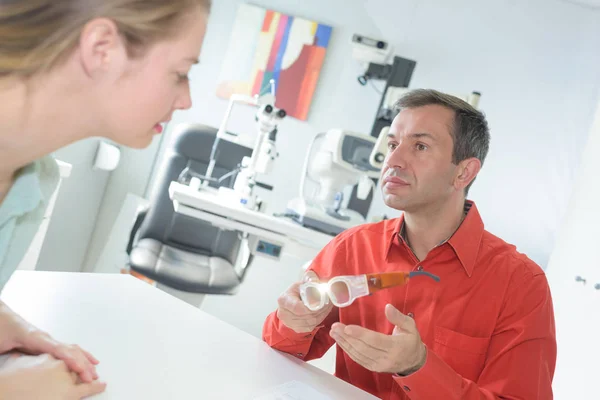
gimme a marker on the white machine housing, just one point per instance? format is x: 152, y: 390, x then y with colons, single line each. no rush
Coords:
x: 342, y: 160
x: 368, y: 50
x: 333, y: 170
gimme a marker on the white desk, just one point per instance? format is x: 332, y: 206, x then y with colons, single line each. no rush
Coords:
x: 153, y: 346
x: 296, y: 239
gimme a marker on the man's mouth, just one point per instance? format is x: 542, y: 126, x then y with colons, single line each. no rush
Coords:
x: 395, y: 180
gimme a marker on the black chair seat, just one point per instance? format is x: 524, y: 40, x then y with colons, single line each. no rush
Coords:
x: 181, y: 252
x: 182, y: 270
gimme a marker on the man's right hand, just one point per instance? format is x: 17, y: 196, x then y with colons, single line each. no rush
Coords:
x: 295, y: 315
x: 43, y: 377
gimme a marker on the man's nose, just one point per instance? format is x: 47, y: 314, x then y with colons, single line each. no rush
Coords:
x: 396, y: 158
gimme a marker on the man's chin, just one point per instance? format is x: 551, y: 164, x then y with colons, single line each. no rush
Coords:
x: 395, y: 202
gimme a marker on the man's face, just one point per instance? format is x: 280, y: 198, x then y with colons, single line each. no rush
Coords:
x: 418, y: 171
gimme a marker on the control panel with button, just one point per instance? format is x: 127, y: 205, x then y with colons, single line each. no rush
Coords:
x: 266, y: 248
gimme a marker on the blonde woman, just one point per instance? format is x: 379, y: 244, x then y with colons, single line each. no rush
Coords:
x: 70, y: 70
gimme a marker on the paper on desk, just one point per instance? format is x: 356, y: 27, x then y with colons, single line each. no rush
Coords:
x: 293, y: 390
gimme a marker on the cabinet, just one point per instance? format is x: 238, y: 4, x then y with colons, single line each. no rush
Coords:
x: 30, y: 260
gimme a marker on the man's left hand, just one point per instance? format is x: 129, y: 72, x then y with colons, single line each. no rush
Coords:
x: 402, y: 352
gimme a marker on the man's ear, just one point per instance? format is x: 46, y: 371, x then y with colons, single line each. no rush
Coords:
x: 102, y: 49
x: 467, y: 171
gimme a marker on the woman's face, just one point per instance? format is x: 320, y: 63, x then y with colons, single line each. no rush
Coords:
x: 151, y: 87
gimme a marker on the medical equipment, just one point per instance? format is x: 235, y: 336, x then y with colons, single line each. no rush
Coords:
x: 341, y: 160
x: 263, y: 156
x: 264, y: 151
x: 343, y: 290
x: 368, y: 50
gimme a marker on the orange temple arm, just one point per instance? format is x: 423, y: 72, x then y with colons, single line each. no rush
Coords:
x: 386, y: 280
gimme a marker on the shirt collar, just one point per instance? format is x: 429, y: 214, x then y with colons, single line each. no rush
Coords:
x: 395, y: 234
x: 33, y: 185
x: 465, y: 241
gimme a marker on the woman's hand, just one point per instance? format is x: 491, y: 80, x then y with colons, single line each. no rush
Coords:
x: 42, y: 377
x: 18, y: 334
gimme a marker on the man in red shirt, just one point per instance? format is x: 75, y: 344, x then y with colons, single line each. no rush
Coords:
x: 484, y: 331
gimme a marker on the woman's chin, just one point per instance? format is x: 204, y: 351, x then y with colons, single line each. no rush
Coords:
x: 138, y: 142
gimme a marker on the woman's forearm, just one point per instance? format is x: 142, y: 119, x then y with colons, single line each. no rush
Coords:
x: 12, y: 327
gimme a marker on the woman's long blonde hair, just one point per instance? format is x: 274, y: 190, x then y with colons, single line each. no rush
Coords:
x: 35, y: 34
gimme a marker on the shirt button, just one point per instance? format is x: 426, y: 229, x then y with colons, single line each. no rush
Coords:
x: 406, y: 388
x: 299, y: 355
x: 420, y: 268
x: 411, y: 315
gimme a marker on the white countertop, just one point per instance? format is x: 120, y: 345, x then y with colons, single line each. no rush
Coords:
x: 154, y: 346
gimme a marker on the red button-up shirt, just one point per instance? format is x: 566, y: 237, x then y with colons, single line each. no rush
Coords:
x: 488, y: 324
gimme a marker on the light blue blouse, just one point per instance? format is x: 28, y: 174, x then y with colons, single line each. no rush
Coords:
x: 22, y: 212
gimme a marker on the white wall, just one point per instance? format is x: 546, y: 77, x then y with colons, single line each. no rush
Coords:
x: 576, y: 302
x: 75, y: 211
x: 537, y: 65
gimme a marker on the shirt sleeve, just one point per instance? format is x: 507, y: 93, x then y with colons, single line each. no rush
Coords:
x: 306, y: 346
x: 309, y: 346
x: 521, y: 357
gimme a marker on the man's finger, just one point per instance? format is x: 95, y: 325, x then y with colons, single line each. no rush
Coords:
x: 283, y: 313
x: 298, y: 325
x: 402, y: 321
x: 374, y: 339
x: 359, y: 358
x: 305, y: 324
x: 308, y: 320
x: 310, y: 276
x: 294, y: 305
x: 367, y: 349
x: 321, y: 314
x: 89, y: 389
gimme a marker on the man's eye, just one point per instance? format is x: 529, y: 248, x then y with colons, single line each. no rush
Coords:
x: 421, y: 147
x: 392, y: 146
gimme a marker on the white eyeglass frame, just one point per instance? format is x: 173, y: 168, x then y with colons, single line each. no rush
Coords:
x: 357, y: 287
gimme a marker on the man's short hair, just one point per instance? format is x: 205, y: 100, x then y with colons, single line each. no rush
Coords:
x: 470, y: 132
